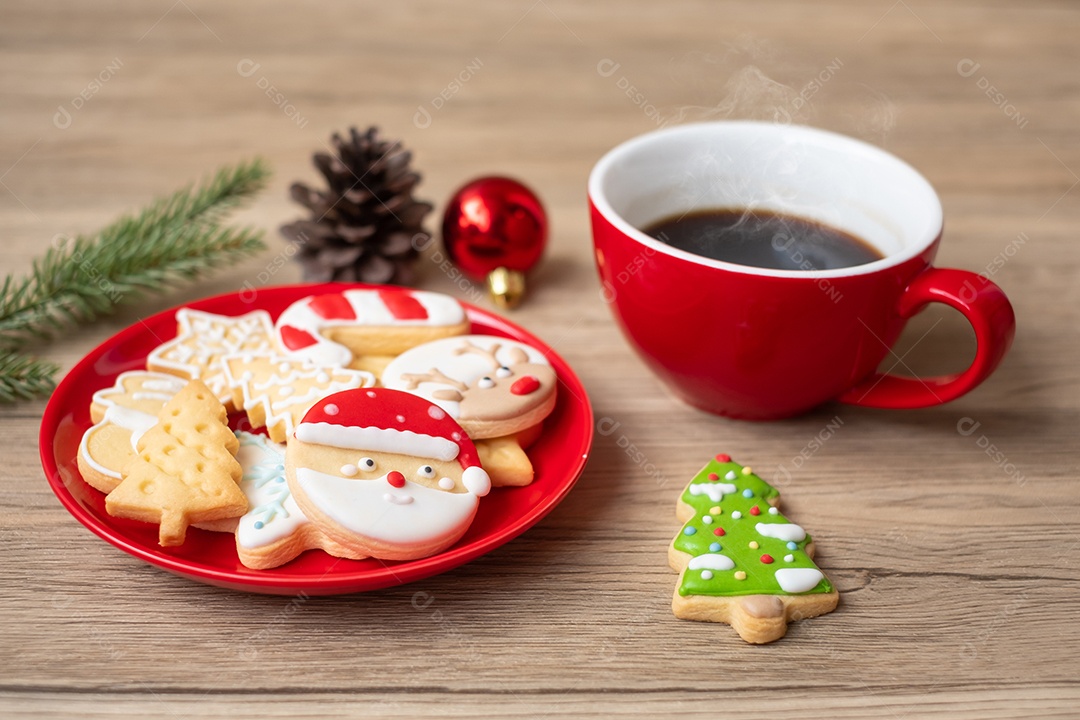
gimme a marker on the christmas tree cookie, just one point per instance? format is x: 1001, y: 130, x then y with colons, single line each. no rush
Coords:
x: 184, y: 470
x: 740, y: 561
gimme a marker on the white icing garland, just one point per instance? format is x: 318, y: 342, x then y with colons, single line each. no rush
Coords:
x: 713, y: 490
x: 788, y: 532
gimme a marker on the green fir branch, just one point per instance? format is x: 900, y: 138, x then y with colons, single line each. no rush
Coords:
x: 24, y: 378
x: 174, y: 238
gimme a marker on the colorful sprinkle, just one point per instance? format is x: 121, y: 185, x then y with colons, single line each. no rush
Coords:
x: 736, y: 515
x: 754, y: 545
x: 773, y: 511
x: 730, y: 475
x: 740, y: 575
x: 792, y: 545
x: 259, y: 525
x: 718, y: 532
x: 747, y: 471
x: 715, y: 547
x: 689, y: 531
x: 767, y: 559
x: 714, y: 510
x: 755, y: 510
x: 706, y: 574
x: 714, y: 477
x: 707, y: 519
x: 789, y: 558
x: 748, y: 493
x: 723, y: 458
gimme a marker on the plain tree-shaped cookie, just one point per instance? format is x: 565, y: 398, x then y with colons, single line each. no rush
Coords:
x: 185, y: 471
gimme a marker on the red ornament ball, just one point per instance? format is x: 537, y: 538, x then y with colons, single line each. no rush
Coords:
x: 767, y: 559
x: 491, y: 223
x: 755, y: 510
x: 723, y: 458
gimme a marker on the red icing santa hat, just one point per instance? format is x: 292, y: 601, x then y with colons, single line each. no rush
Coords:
x: 384, y: 420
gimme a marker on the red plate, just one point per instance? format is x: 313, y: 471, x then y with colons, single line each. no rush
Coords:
x: 558, y: 457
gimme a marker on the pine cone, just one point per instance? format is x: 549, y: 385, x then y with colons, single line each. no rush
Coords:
x: 366, y: 227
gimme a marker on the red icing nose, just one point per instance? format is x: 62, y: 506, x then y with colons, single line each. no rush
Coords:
x: 525, y: 385
x: 396, y: 479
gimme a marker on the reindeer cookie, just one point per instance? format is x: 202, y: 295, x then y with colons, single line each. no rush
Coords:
x: 363, y: 329
x: 121, y: 414
x: 385, y: 473
x: 493, y: 386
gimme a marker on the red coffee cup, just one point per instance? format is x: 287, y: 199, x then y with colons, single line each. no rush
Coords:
x: 757, y: 343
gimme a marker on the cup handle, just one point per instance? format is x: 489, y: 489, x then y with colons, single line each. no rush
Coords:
x: 991, y: 316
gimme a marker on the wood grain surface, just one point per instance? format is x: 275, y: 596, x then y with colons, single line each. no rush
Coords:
x: 957, y: 563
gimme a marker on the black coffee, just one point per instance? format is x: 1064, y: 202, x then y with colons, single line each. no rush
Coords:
x: 761, y: 238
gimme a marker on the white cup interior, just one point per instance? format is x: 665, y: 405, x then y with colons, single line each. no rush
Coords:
x: 789, y: 169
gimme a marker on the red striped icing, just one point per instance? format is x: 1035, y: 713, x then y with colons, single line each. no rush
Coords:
x: 333, y: 306
x: 402, y: 305
x: 295, y: 338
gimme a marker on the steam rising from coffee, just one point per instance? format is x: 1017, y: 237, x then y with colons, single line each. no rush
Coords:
x: 749, y: 93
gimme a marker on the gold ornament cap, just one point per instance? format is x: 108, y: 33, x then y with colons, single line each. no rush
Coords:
x: 506, y: 286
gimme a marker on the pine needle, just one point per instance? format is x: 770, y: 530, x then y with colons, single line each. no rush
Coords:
x: 177, y: 237
x: 24, y: 378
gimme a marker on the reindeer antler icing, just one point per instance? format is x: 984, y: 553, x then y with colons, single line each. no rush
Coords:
x: 488, y: 353
x: 433, y: 375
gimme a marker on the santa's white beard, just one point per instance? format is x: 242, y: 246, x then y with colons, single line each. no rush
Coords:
x: 411, y: 515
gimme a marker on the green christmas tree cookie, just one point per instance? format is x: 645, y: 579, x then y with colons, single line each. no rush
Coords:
x: 740, y: 561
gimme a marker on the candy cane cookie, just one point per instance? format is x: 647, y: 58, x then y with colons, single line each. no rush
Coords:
x: 364, y: 328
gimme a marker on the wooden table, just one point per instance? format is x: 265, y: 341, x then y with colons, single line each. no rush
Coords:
x: 956, y: 563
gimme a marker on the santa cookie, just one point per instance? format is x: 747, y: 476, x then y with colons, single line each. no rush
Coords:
x: 493, y: 386
x: 385, y: 473
x: 364, y: 328
x: 121, y: 414
x: 203, y: 339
